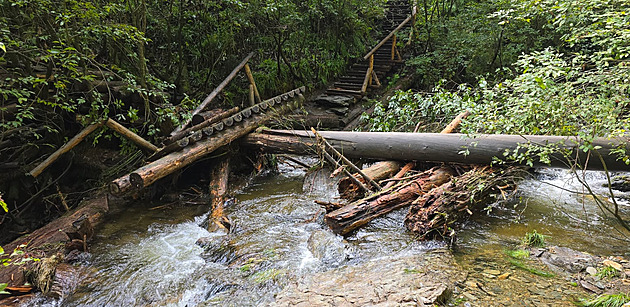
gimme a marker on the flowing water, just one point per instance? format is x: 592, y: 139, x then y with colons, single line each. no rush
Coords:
x: 150, y: 257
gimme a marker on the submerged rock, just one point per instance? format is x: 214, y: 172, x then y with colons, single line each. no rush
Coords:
x: 418, y: 280
x: 327, y: 248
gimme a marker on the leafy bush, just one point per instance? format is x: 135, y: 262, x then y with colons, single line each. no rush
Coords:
x: 534, y: 239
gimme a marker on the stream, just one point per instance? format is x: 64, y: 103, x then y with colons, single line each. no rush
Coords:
x: 144, y: 256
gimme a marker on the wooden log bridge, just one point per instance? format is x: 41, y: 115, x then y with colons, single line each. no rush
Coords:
x: 436, y: 147
x: 223, y: 133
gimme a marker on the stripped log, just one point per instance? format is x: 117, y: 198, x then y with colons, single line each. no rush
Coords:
x: 172, y: 162
x: 432, y: 215
x: 354, y: 215
x: 65, y: 148
x: 436, y: 147
x: 218, y: 190
x: 379, y: 171
x: 130, y: 135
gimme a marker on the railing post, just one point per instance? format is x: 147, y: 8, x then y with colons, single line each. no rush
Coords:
x: 371, y: 68
x: 250, y: 77
x: 393, y: 47
x: 368, y: 75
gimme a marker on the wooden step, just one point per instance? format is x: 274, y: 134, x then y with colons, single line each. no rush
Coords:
x: 333, y: 91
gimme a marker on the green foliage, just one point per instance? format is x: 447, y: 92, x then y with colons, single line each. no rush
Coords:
x: 517, y: 258
x: 607, y: 272
x: 405, y: 109
x: 2, y: 287
x: 607, y: 300
x: 4, y: 207
x: 534, y: 239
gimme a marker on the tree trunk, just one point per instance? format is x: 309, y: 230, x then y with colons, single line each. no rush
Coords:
x: 379, y: 171
x: 435, y: 147
x: 359, y: 213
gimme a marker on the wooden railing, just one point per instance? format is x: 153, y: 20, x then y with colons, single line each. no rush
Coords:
x: 370, y: 74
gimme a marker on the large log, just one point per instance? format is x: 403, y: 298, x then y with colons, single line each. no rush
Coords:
x: 172, y: 162
x: 435, y: 147
x: 62, y: 236
x: 378, y: 171
x: 207, y: 122
x: 354, y: 215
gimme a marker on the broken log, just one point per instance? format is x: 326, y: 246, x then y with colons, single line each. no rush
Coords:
x: 432, y: 215
x: 378, y: 171
x: 65, y: 148
x: 354, y: 215
x: 436, y: 147
x: 172, y: 162
x: 130, y: 135
x: 218, y: 190
x: 214, y: 93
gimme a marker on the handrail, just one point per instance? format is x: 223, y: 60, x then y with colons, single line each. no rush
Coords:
x: 392, y: 33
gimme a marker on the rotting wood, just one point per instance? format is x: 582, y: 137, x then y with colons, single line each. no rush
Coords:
x: 409, y: 166
x: 451, y: 148
x: 65, y: 148
x: 432, y: 215
x: 218, y: 190
x: 455, y: 123
x: 56, y: 237
x: 172, y: 162
x: 354, y: 215
x: 214, y: 93
x: 130, y: 135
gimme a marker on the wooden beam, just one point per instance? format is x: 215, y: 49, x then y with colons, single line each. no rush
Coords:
x: 65, y: 148
x: 130, y: 135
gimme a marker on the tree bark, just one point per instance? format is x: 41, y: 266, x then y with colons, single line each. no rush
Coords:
x: 130, y: 135
x: 435, y: 147
x: 359, y: 213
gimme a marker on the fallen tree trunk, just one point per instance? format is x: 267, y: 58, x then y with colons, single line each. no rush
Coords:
x: 379, y: 171
x: 432, y: 215
x: 172, y: 162
x: 455, y: 148
x: 354, y: 215
x: 211, y: 120
x: 58, y: 239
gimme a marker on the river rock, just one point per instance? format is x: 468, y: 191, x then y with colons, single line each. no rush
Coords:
x: 327, y: 247
x: 591, y: 271
x: 383, y: 282
x: 564, y: 259
x: 613, y: 265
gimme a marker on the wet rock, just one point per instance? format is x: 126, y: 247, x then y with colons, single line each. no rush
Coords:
x: 327, y: 248
x: 386, y: 281
x: 563, y: 259
x: 217, y: 249
x: 334, y: 100
x: 492, y: 272
x: 621, y: 183
x: 590, y: 287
